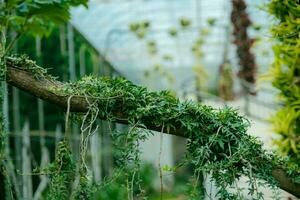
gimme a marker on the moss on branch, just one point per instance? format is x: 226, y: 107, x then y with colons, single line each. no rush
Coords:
x: 218, y: 142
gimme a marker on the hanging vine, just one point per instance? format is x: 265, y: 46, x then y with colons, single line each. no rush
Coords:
x: 217, y: 140
x: 218, y: 143
x: 62, y: 173
x: 241, y: 21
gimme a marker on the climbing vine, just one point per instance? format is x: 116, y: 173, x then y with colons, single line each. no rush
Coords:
x: 61, y: 172
x: 285, y: 75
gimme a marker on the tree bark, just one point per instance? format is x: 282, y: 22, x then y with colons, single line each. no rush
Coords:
x: 41, y: 88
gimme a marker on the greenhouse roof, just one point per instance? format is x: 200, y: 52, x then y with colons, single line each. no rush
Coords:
x: 106, y: 25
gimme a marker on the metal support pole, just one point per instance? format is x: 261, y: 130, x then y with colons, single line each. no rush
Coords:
x: 71, y: 53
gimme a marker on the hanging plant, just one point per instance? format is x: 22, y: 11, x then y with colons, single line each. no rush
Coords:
x: 217, y: 140
x: 226, y: 81
x: 139, y: 28
x: 185, y: 22
x: 168, y: 57
x: 173, y: 32
x: 152, y: 48
x: 211, y: 21
x: 199, y: 70
x: 62, y: 173
x: 241, y: 22
x: 285, y: 75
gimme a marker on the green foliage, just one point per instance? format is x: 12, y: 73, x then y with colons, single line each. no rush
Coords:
x: 185, y: 22
x: 35, y: 16
x: 28, y: 65
x: 285, y: 75
x: 211, y: 21
x: 85, y: 189
x: 167, y: 57
x: 198, y: 68
x: 116, y: 188
x: 62, y: 173
x: 226, y: 81
x: 173, y: 32
x: 217, y: 140
x: 152, y: 48
x: 139, y: 28
x: 218, y: 143
x: 256, y: 27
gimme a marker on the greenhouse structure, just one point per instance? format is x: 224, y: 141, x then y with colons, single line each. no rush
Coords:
x: 150, y: 99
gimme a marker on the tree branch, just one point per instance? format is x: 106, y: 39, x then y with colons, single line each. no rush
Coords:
x: 41, y: 88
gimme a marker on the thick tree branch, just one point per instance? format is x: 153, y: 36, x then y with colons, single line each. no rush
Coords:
x: 41, y: 88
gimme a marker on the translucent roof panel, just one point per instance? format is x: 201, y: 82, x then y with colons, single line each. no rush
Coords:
x: 106, y: 25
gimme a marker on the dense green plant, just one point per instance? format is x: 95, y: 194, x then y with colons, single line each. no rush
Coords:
x: 61, y: 172
x: 34, y: 17
x: 139, y: 28
x: 198, y: 68
x: 285, y: 75
x: 226, y: 81
x: 173, y: 32
x: 184, y: 22
x: 115, y: 187
x: 58, y: 68
x: 152, y: 47
x: 218, y: 141
x: 211, y: 21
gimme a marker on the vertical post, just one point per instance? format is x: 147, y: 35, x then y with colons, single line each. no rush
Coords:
x: 96, y: 139
x: 63, y: 48
x: 44, y: 151
x: 94, y: 146
x: 5, y: 107
x: 72, y: 76
x: 3, y: 174
x: 71, y: 53
x: 247, y: 103
x: 18, y: 141
x: 16, y: 123
x: 26, y: 163
x: 62, y: 39
x: 58, y: 134
x: 198, y: 13
x: 41, y: 121
x: 96, y: 69
x: 82, y: 61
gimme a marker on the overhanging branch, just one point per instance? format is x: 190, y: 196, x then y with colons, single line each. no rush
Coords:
x: 41, y: 88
